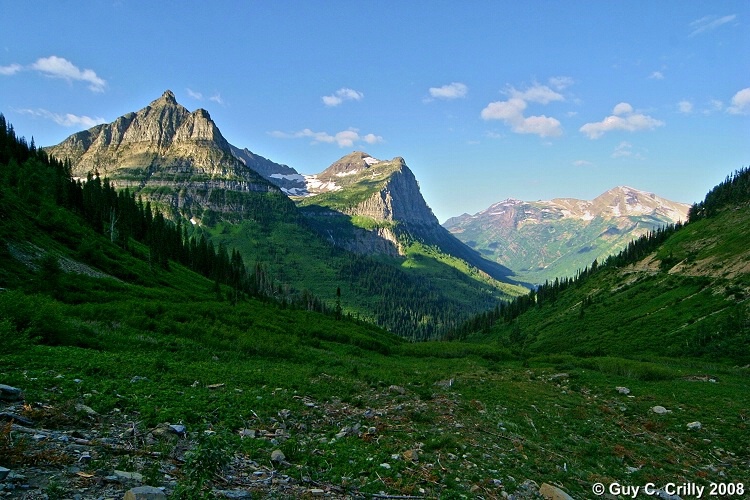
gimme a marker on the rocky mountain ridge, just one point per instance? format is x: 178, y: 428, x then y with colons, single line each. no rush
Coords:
x: 546, y: 239
x: 387, y: 195
x: 176, y: 158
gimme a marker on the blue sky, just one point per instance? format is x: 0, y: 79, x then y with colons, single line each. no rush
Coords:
x: 485, y: 100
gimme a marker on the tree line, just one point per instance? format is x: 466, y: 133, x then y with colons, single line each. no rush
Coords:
x: 40, y: 180
x: 735, y: 189
x: 548, y: 292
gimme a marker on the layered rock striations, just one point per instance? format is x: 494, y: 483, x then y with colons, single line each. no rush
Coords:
x: 172, y: 156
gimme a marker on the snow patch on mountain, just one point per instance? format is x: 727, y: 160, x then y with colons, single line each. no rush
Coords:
x: 288, y: 177
x: 315, y: 185
x: 347, y: 174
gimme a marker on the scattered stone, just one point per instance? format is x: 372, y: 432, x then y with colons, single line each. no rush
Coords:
x: 694, y: 426
x: 178, y: 429
x: 558, y: 376
x: 660, y: 410
x: 137, y: 378
x: 12, y: 417
x: 144, y: 493
x: 4, y: 473
x: 411, y: 456
x: 445, y: 384
x: 77, y: 381
x: 233, y: 493
x: 623, y: 390
x: 397, y: 389
x: 277, y: 456
x: 9, y: 393
x: 165, y: 430
x: 247, y: 433
x: 553, y: 492
x: 385, y: 465
x: 317, y: 492
x: 121, y: 474
x: 86, y: 409
x: 285, y: 413
x: 215, y: 386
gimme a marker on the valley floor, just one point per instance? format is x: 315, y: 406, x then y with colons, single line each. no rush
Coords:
x: 367, y: 426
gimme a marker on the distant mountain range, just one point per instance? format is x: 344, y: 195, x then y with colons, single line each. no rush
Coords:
x: 547, y: 239
x: 366, y: 207
x: 180, y: 162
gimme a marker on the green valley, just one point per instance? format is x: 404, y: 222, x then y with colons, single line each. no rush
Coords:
x: 144, y: 367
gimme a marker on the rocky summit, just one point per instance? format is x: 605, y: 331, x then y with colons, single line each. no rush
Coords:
x: 176, y: 158
x: 547, y: 239
x: 383, y: 196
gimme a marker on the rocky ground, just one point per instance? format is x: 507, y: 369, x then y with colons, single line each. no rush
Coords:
x: 387, y: 442
x: 70, y: 451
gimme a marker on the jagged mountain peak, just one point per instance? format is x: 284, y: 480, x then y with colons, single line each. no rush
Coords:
x: 167, y: 98
x: 628, y: 201
x: 170, y: 155
x: 350, y: 164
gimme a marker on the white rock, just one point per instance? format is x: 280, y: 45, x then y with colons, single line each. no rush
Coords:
x: 660, y: 410
x: 623, y: 390
x: 553, y: 492
x: 694, y: 426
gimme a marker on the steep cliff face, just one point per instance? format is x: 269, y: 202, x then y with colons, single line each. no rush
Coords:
x: 382, y: 198
x: 548, y: 239
x: 172, y: 156
x: 398, y: 199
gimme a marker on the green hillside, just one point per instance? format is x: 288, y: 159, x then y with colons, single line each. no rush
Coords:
x: 137, y: 370
x: 681, y: 293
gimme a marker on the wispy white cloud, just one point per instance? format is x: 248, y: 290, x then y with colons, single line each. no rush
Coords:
x: 511, y: 111
x: 455, y: 90
x: 713, y: 106
x: 623, y: 118
x: 685, y: 107
x: 59, y: 67
x: 709, y: 23
x: 66, y: 120
x: 341, y: 95
x: 582, y: 163
x: 198, y: 96
x: 195, y: 95
x: 345, y: 138
x: 656, y: 75
x: 625, y: 150
x: 11, y: 69
x: 740, y: 103
x: 561, y: 82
